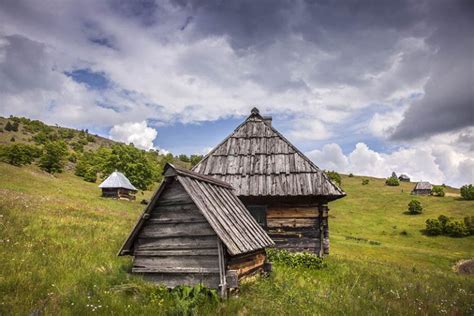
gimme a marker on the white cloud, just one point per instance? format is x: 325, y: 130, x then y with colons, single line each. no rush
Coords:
x: 383, y: 124
x: 309, y: 129
x: 137, y: 133
x: 438, y: 160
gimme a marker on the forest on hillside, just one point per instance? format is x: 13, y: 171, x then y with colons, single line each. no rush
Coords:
x: 54, y: 149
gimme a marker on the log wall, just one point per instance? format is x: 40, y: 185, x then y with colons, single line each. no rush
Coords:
x: 177, y: 246
x: 247, y: 263
x: 299, y: 228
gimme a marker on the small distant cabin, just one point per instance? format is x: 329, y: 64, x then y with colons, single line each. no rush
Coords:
x: 404, y: 178
x: 196, y: 231
x: 422, y: 188
x: 282, y: 188
x: 118, y: 186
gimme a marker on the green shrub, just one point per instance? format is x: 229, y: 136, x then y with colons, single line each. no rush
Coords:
x: 11, y: 127
x: 195, y: 159
x: 19, y: 154
x: 52, y: 160
x: 414, y: 207
x: 438, y: 191
x: 469, y: 222
x: 12, y: 139
x: 444, y: 226
x: 295, y: 259
x: 467, y: 192
x: 72, y: 158
x: 456, y: 229
x: 335, y: 177
x: 66, y: 133
x: 184, y: 158
x: 78, y: 147
x: 365, y: 181
x: 351, y: 175
x: 90, y: 138
x: 392, y: 181
x: 434, y: 227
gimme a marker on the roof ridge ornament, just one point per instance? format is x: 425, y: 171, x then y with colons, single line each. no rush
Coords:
x: 255, y: 111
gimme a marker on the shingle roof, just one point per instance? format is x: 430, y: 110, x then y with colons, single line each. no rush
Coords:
x: 258, y: 161
x: 226, y: 214
x: 423, y: 186
x: 117, y: 180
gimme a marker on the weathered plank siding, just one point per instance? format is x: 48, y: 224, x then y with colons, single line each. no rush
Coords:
x: 196, y: 230
x: 298, y: 228
x: 176, y: 244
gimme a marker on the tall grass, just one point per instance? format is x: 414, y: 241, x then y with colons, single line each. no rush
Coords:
x: 59, y: 240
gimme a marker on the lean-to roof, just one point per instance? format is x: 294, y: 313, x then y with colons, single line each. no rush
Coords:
x: 215, y: 199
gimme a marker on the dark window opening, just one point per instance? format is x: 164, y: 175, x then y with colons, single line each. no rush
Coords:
x: 259, y: 212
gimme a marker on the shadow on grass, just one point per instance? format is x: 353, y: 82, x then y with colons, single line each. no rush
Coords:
x: 410, y: 213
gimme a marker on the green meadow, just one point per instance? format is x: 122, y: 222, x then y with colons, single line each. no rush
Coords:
x: 59, y: 241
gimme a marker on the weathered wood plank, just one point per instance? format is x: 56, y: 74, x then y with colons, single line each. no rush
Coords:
x: 176, y: 243
x: 175, y: 270
x: 160, y: 230
x: 169, y: 280
x: 296, y: 243
x: 181, y: 262
x: 292, y: 212
x: 177, y: 252
x: 248, y: 264
x: 290, y: 222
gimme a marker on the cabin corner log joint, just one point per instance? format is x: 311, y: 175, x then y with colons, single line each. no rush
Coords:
x: 196, y: 231
x: 285, y: 191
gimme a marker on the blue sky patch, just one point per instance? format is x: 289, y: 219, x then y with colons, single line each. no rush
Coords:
x: 94, y: 80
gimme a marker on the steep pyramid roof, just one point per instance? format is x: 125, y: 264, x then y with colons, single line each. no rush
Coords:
x: 117, y: 180
x: 258, y: 161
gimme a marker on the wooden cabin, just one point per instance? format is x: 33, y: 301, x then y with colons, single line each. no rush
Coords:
x: 285, y: 191
x: 118, y: 186
x: 404, y: 178
x: 196, y: 231
x: 422, y: 188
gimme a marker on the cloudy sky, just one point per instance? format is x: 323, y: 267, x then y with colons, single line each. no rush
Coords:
x: 359, y: 86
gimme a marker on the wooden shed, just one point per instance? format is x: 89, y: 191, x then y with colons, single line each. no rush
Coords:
x: 404, y: 178
x: 422, y: 188
x: 118, y: 186
x: 285, y: 192
x: 195, y: 230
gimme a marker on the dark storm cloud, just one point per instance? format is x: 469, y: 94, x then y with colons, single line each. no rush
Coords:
x: 359, y: 36
x: 26, y: 66
x: 448, y: 103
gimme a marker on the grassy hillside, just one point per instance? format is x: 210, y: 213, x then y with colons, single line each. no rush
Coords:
x: 25, y: 135
x: 59, y: 240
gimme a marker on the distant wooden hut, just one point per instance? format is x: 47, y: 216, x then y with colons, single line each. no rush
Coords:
x: 285, y: 192
x: 404, y: 178
x: 422, y: 188
x: 118, y: 186
x: 195, y: 230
